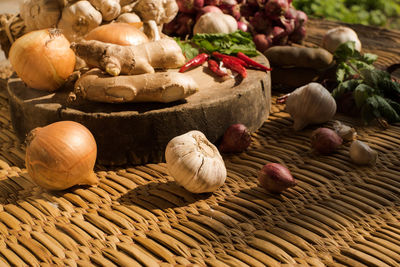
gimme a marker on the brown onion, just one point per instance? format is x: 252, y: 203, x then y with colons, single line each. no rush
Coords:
x: 275, y: 178
x: 42, y: 59
x: 236, y: 139
x: 118, y: 33
x: 61, y: 155
x: 325, y: 141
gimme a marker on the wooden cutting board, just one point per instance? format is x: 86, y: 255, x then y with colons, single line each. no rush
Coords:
x: 137, y: 133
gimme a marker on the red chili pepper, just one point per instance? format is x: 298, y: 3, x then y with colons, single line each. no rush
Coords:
x: 235, y: 66
x: 214, y: 67
x: 194, y: 62
x: 222, y: 56
x: 251, y: 62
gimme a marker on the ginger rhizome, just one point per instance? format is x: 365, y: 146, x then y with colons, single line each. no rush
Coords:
x: 164, y: 87
x: 137, y: 59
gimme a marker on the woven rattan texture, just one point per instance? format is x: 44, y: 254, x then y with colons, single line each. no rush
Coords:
x: 338, y: 215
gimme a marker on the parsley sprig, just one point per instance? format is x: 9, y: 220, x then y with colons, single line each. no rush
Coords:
x: 376, y: 94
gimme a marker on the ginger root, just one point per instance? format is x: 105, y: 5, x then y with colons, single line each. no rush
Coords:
x: 164, y: 87
x: 136, y: 59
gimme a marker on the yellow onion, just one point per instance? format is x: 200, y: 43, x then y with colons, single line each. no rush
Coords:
x: 119, y: 33
x: 42, y: 59
x: 61, y: 155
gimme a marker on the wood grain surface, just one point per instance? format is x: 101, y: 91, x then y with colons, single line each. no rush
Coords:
x: 138, y: 133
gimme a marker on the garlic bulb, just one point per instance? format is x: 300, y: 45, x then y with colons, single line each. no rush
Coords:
x: 195, y: 163
x: 213, y: 22
x: 362, y: 154
x: 346, y: 132
x: 339, y: 35
x: 161, y: 11
x: 40, y: 14
x: 310, y: 104
x: 109, y: 9
x: 78, y: 19
x: 128, y: 18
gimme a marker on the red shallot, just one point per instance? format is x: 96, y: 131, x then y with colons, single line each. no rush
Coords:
x: 275, y: 178
x: 325, y: 141
x: 236, y: 139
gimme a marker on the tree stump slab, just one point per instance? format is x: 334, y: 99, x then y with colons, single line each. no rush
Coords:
x: 137, y: 133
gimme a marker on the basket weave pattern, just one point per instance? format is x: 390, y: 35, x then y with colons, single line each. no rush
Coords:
x: 338, y: 215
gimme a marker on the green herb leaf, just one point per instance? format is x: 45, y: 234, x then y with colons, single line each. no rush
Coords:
x: 231, y: 43
x: 372, y: 77
x: 361, y: 93
x: 369, y: 58
x: 344, y: 87
x: 389, y: 88
x: 381, y: 108
x: 345, y: 51
x: 187, y: 49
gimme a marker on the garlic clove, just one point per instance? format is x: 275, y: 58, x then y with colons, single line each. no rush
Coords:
x: 362, y: 154
x: 346, y: 132
x: 310, y: 104
x: 195, y: 163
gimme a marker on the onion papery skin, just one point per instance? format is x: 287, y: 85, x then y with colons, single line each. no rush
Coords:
x: 119, y: 33
x: 61, y: 155
x: 42, y: 59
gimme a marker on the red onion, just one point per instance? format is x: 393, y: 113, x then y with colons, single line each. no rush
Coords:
x: 275, y: 178
x: 212, y: 2
x: 260, y: 23
x: 288, y: 24
x: 207, y: 9
x: 181, y: 25
x: 189, y: 6
x: 279, y: 36
x: 300, y: 19
x: 262, y: 42
x: 298, y: 35
x: 248, y: 11
x: 275, y: 8
x: 242, y: 26
x: 290, y: 13
x: 234, y: 10
x: 325, y: 141
x: 237, y: 138
x: 256, y: 3
x: 229, y: 2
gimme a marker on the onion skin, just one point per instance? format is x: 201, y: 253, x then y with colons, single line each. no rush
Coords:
x: 236, y: 139
x: 325, y: 141
x: 118, y: 33
x: 42, y: 59
x: 61, y: 155
x: 275, y: 178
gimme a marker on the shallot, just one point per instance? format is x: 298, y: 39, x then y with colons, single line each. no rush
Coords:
x: 325, y: 141
x: 275, y: 178
x: 236, y: 139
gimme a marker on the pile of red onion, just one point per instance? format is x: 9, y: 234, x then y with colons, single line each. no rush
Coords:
x: 271, y: 22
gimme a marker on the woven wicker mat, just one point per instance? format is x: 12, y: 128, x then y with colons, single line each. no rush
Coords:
x: 338, y: 215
